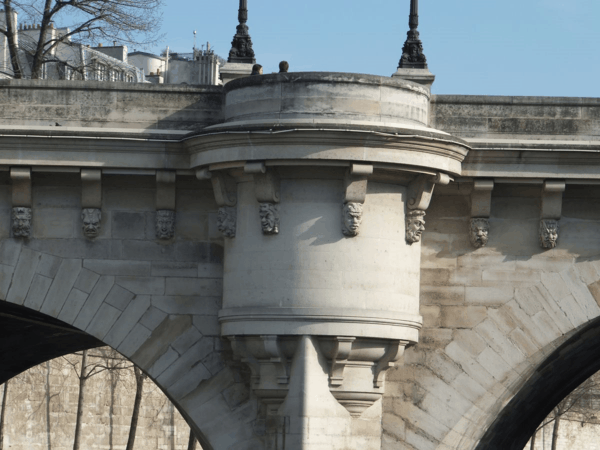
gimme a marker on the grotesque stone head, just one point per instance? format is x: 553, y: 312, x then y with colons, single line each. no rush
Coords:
x: 415, y: 225
x: 21, y: 221
x: 226, y: 221
x: 269, y: 218
x: 165, y: 223
x: 91, y: 221
x: 478, y: 232
x: 351, y: 219
x: 548, y: 233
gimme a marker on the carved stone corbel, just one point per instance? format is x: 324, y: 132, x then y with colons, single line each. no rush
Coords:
x: 165, y: 204
x: 355, y: 194
x: 420, y: 192
x: 266, y: 189
x: 392, y: 354
x: 481, y: 204
x: 21, y: 201
x: 277, y: 358
x: 342, y: 349
x: 551, y: 211
x: 91, y: 201
x: 225, y: 191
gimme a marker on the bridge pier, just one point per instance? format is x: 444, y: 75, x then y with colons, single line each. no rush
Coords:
x: 322, y: 216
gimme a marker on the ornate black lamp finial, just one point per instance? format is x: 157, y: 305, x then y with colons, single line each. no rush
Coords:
x: 412, y: 52
x: 241, y: 46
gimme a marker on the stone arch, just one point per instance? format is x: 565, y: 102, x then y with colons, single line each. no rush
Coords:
x: 565, y: 369
x: 159, y: 314
x: 478, y: 363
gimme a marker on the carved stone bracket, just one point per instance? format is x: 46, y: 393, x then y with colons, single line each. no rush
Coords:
x: 420, y: 191
x: 266, y: 189
x: 165, y: 189
x: 224, y: 186
x: 355, y: 194
x: 91, y: 202
x: 21, y: 201
x: 340, y: 359
x: 266, y: 182
x: 165, y: 204
x: 481, y: 205
x: 392, y: 354
x: 552, y: 194
x: 225, y: 191
x: 277, y: 358
x: 551, y: 211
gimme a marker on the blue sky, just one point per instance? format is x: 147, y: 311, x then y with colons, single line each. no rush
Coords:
x: 490, y: 47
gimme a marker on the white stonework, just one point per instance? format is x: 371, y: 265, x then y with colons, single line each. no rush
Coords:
x: 301, y: 336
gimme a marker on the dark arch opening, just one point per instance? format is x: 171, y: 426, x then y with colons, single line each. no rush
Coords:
x: 29, y: 338
x: 565, y: 369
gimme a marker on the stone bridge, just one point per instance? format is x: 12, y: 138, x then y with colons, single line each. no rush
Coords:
x: 308, y: 260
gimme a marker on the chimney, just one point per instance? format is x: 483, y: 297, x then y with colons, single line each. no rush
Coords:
x: 114, y: 43
x: 100, y: 44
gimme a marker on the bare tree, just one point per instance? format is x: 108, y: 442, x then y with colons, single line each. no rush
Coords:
x: 139, y: 389
x: 581, y: 406
x: 192, y: 441
x: 129, y: 21
x: 3, y: 415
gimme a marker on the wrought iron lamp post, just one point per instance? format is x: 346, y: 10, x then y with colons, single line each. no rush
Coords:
x: 241, y: 46
x: 412, y: 52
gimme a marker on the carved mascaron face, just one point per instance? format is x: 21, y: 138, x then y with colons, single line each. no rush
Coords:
x: 165, y: 224
x: 351, y: 219
x: 548, y: 233
x: 226, y: 221
x: 415, y: 225
x: 21, y: 223
x: 478, y: 232
x: 91, y: 218
x: 269, y: 218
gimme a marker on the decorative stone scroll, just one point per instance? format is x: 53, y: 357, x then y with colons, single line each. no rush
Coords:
x: 269, y: 218
x: 478, y: 232
x: 226, y: 221
x: 165, y: 224
x: 21, y: 221
x: 91, y: 218
x: 415, y: 226
x: 548, y: 233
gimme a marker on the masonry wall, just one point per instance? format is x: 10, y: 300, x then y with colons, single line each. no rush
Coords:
x: 491, y: 315
x: 108, y: 105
